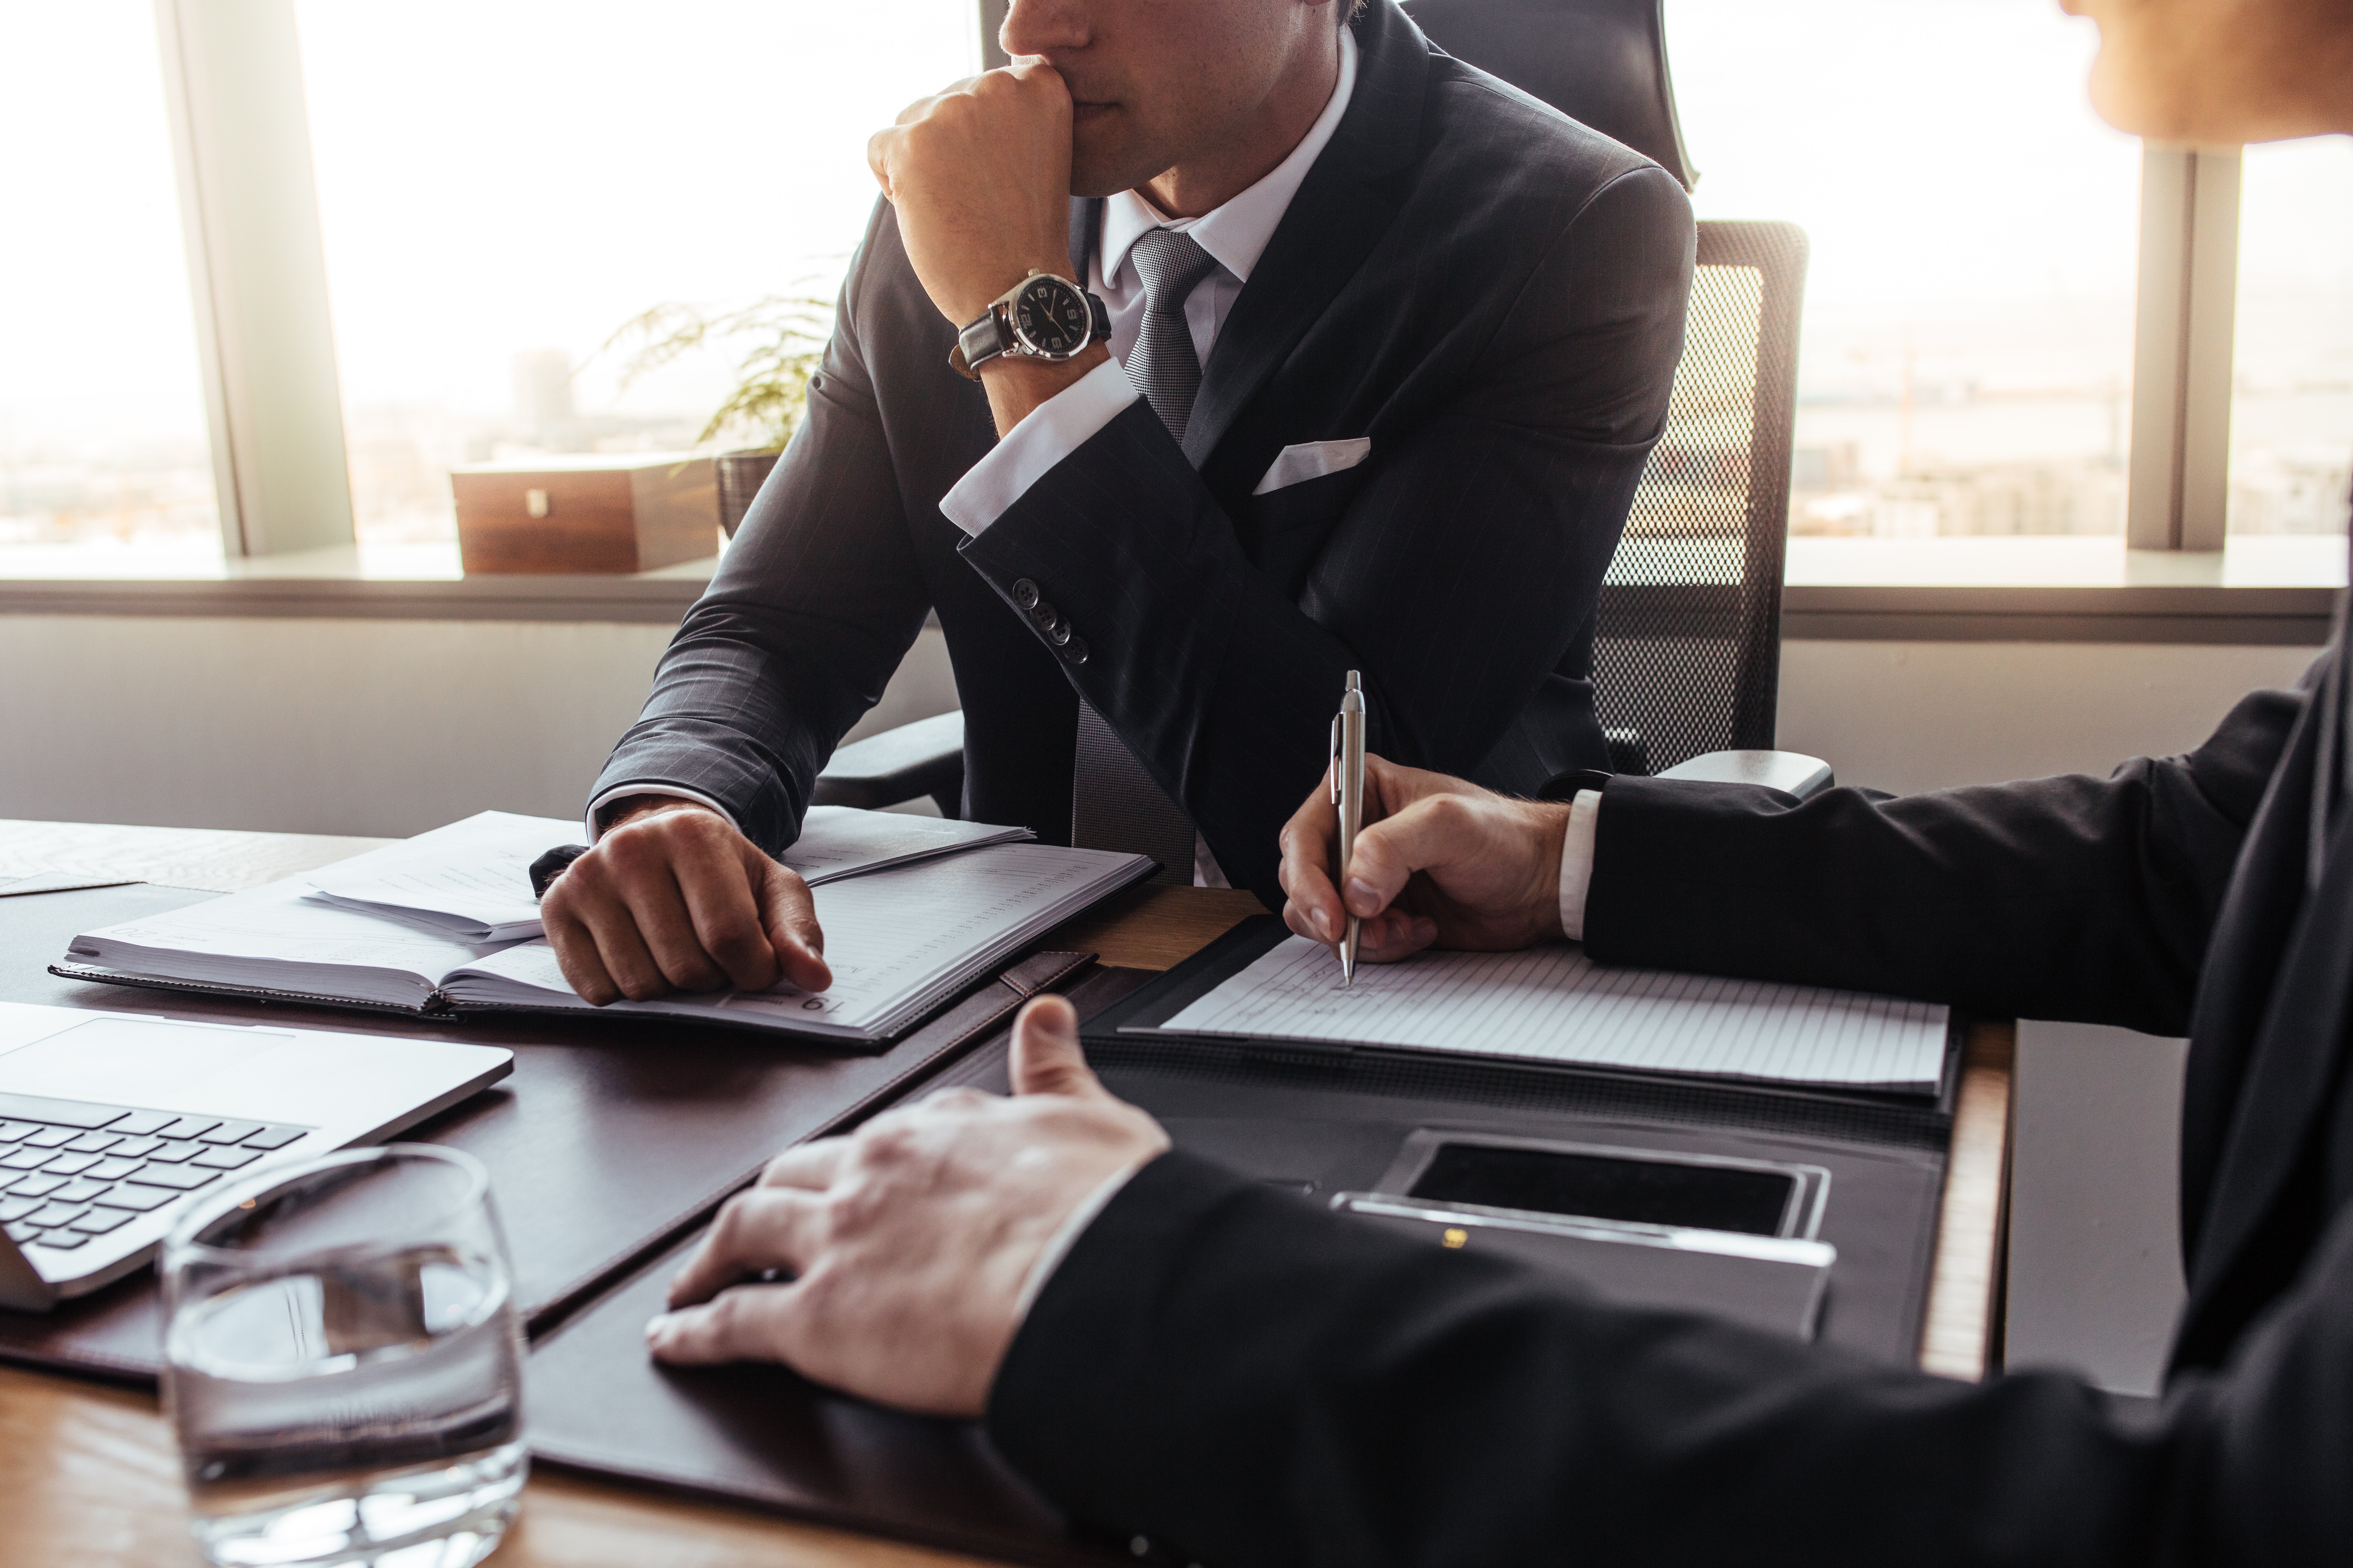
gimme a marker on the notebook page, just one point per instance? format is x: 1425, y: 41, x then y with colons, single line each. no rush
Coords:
x: 840, y: 841
x: 278, y: 937
x: 471, y: 879
x: 1555, y: 1004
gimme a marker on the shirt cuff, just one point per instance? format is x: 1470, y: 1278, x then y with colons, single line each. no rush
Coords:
x: 1052, y: 431
x: 623, y: 792
x: 1059, y: 1245
x: 1576, y: 861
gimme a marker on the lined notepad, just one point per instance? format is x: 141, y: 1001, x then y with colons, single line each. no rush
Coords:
x: 1555, y: 1004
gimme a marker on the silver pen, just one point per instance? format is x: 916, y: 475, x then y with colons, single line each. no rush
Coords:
x: 1348, y: 795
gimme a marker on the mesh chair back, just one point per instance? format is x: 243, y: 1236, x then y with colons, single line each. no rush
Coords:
x: 1687, y: 648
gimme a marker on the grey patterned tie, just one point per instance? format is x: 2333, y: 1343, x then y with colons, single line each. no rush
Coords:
x: 1114, y: 803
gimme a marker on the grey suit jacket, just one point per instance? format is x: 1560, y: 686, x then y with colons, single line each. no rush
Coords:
x: 1491, y: 293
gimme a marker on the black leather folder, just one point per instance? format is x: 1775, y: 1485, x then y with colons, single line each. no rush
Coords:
x: 1324, y: 1123
x: 610, y: 1137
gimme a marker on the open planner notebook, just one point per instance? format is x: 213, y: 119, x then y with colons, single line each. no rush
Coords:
x: 902, y: 939
x: 1555, y: 1004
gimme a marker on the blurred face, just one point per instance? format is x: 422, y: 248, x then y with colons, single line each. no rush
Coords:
x: 2223, y: 72
x: 1159, y: 83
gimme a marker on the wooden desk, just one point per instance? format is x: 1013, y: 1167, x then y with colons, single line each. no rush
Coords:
x: 88, y: 1475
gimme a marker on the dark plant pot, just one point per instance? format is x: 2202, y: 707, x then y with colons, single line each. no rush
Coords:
x: 740, y: 475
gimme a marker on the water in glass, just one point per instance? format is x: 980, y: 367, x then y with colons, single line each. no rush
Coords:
x: 342, y: 1365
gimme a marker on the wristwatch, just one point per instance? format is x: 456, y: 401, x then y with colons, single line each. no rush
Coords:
x: 1041, y: 317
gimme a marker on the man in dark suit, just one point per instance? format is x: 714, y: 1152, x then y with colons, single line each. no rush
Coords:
x: 1183, y: 1354
x: 1397, y: 341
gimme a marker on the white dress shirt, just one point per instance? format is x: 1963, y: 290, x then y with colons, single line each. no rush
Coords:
x: 1576, y: 861
x: 1235, y: 233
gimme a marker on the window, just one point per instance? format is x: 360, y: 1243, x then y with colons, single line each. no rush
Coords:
x: 2292, y: 404
x: 104, y: 457
x: 503, y: 185
x: 1967, y: 359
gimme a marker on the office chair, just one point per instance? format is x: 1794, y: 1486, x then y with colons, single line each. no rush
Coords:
x: 1687, y: 646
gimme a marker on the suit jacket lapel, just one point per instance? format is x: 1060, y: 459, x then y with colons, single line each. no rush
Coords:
x: 1340, y: 211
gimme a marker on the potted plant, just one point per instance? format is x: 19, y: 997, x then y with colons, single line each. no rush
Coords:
x: 781, y: 339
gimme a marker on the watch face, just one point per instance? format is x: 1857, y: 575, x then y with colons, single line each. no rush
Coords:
x: 1050, y: 317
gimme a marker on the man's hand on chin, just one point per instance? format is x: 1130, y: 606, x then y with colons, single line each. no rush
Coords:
x: 980, y: 176
x: 907, y: 1244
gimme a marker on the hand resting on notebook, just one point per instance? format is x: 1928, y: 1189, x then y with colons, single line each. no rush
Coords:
x: 672, y: 898
x: 1441, y: 863
x: 911, y: 1242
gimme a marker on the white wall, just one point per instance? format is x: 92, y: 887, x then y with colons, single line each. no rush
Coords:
x: 1914, y: 715
x: 390, y: 727
x: 325, y: 726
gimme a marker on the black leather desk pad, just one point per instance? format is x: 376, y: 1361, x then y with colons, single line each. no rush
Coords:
x: 609, y: 1138
x: 759, y: 1435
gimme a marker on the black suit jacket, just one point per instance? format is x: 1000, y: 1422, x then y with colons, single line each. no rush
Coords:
x: 1253, y: 1381
x: 1490, y: 293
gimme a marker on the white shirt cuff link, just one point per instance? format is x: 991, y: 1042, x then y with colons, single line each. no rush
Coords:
x: 1576, y: 861
x: 1053, y: 430
x: 623, y: 792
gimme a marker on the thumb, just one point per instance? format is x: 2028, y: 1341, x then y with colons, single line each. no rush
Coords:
x: 1046, y: 1054
x: 789, y: 917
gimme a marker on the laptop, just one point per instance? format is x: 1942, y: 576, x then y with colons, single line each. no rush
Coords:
x: 112, y: 1124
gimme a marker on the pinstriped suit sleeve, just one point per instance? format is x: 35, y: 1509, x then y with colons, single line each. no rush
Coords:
x: 1461, y: 570
x: 817, y: 600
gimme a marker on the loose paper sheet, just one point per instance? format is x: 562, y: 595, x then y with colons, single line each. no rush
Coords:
x: 1555, y: 1004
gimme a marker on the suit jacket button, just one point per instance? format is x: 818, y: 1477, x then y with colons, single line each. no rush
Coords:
x: 1059, y: 633
x: 1075, y: 650
x: 1024, y: 593
x: 1044, y: 617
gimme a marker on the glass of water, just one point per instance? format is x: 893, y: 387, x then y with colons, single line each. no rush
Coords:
x: 342, y: 1366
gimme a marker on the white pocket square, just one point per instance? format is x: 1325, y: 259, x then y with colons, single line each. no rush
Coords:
x: 1312, y: 460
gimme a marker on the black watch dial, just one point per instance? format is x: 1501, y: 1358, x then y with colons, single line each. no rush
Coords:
x: 1050, y: 317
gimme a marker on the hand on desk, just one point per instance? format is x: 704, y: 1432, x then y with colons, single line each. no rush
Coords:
x: 909, y: 1241
x: 672, y: 898
x: 1439, y: 862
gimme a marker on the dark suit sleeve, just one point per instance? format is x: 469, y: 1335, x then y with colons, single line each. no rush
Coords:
x: 818, y: 597
x: 2071, y: 898
x: 1243, y: 1379
x: 1462, y: 567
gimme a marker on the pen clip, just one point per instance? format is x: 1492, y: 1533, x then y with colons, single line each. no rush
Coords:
x: 1331, y: 772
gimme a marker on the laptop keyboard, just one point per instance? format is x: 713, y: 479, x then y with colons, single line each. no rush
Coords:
x: 71, y: 1169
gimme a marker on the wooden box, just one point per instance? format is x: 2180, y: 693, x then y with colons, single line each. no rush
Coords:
x: 603, y: 511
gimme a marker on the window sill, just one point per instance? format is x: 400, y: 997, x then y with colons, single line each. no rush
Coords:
x: 2264, y: 589
x: 385, y: 582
